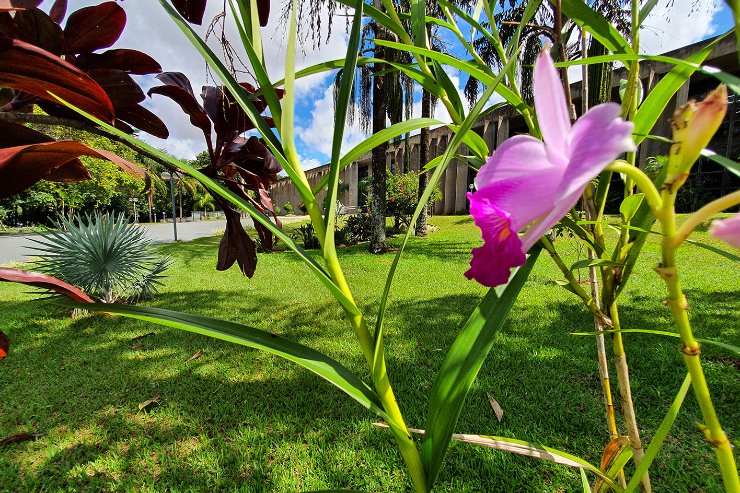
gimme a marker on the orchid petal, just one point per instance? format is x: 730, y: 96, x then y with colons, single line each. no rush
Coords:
x: 518, y: 156
x: 597, y: 138
x: 502, y: 250
x: 524, y: 198
x: 549, y: 102
x: 727, y: 230
x: 540, y: 227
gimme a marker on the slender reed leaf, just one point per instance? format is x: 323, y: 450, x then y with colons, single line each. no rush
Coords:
x: 319, y: 363
x: 222, y: 191
x: 723, y: 345
x: 657, y: 442
x: 462, y: 364
x: 340, y: 120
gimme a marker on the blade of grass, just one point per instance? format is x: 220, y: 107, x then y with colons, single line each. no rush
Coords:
x: 657, y: 442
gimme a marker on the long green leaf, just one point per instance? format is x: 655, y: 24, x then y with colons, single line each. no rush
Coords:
x: 242, y: 98
x: 236, y: 333
x: 584, y: 482
x: 723, y: 345
x: 222, y: 191
x: 529, y: 12
x: 340, y: 120
x: 462, y: 364
x: 376, y: 139
x: 604, y: 31
x: 658, y: 98
x: 730, y: 165
x: 457, y: 139
x: 263, y: 79
x: 657, y: 442
x: 286, y: 125
x: 714, y: 249
x: 483, y: 74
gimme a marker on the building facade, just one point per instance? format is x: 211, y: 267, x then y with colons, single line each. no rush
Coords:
x: 708, y: 180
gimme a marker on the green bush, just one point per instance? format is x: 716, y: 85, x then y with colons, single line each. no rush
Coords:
x: 306, y: 235
x: 403, y: 195
x: 104, y: 256
x: 288, y: 208
x: 356, y: 229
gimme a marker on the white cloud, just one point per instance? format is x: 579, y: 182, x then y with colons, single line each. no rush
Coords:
x: 683, y: 23
x: 317, y: 135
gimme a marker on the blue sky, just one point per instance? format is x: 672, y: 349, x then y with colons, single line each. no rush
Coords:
x: 150, y: 30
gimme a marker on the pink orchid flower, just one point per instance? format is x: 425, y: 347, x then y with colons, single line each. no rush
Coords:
x: 727, y: 230
x: 527, y: 182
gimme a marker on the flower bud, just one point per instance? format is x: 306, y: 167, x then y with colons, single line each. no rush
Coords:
x: 694, y: 124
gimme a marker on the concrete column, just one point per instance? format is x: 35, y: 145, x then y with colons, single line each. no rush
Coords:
x: 489, y: 134
x: 461, y: 187
x: 503, y: 130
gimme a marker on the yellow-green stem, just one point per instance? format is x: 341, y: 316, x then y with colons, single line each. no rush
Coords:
x: 652, y: 196
x: 382, y: 384
x: 712, y: 429
x: 703, y: 214
x: 625, y: 393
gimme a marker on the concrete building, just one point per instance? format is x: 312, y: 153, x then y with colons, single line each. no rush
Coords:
x: 708, y: 180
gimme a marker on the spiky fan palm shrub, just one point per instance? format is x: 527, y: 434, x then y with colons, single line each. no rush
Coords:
x: 104, y: 256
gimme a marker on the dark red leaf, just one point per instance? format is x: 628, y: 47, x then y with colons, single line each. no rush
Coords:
x: 58, y: 11
x: 22, y: 166
x: 191, y: 10
x: 27, y: 68
x: 8, y: 27
x: 44, y: 281
x: 177, y: 87
x: 70, y: 172
x: 119, y: 86
x: 4, y: 345
x: 143, y: 119
x: 236, y: 245
x: 229, y: 120
x: 8, y: 5
x: 263, y: 10
x: 129, y: 61
x: 93, y: 28
x: 35, y: 27
x: 15, y: 134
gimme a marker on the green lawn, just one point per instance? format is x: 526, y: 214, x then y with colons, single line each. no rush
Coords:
x: 239, y: 420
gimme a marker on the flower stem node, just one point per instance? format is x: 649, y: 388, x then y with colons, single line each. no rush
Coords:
x: 696, y: 351
x: 666, y: 273
x: 693, y: 125
x: 715, y: 442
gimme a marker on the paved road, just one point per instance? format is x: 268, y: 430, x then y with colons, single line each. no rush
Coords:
x: 16, y: 248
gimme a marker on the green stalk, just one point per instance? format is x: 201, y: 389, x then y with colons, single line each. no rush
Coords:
x: 711, y: 428
x: 625, y: 390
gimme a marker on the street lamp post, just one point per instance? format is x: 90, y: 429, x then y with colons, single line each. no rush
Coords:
x: 172, y: 178
x: 136, y: 212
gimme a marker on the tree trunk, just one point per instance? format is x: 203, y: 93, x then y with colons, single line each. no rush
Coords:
x: 426, y: 112
x: 379, y: 173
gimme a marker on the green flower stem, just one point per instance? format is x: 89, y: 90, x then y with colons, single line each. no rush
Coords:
x: 703, y: 214
x: 625, y: 393
x: 711, y: 428
x: 407, y: 446
x: 652, y: 196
